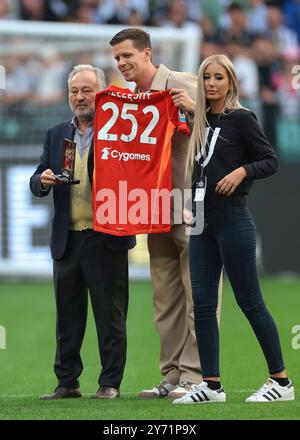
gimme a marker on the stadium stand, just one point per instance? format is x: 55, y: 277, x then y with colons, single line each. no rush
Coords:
x: 41, y: 40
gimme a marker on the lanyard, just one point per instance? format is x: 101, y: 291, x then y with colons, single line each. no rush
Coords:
x: 211, y: 147
x: 201, y: 182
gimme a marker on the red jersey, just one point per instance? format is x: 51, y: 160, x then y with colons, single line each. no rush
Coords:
x: 132, y: 155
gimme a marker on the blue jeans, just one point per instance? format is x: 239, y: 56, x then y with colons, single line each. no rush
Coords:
x: 229, y: 239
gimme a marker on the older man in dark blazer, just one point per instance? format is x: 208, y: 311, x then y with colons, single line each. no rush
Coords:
x: 84, y: 260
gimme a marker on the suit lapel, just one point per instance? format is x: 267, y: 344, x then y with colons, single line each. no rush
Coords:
x: 69, y: 134
x: 160, y: 81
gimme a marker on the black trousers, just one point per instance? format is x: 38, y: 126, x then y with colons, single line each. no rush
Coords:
x: 89, y: 264
x: 229, y: 239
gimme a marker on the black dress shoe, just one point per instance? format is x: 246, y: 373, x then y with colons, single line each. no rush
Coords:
x: 62, y: 393
x: 105, y: 392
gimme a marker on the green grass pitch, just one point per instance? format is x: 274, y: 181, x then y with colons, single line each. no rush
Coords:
x: 27, y: 312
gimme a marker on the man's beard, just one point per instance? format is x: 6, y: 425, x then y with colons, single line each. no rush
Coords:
x: 84, y: 115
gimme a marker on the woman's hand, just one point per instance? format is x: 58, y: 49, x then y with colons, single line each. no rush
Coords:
x: 230, y: 182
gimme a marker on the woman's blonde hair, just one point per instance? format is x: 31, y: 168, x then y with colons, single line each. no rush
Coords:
x: 197, y: 140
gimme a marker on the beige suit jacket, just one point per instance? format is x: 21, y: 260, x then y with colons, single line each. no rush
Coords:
x: 167, y: 79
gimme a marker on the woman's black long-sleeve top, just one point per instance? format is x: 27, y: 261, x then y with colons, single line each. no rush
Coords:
x: 240, y: 142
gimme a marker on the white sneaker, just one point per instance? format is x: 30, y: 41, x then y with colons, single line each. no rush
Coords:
x: 271, y: 391
x: 202, y: 394
x: 181, y: 389
x: 161, y: 390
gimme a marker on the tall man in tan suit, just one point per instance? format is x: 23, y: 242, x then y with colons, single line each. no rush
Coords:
x: 173, y: 306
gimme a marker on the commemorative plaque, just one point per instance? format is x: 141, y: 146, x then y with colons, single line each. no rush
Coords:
x: 67, y: 171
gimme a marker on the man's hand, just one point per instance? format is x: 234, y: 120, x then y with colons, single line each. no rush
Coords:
x: 48, y: 179
x: 181, y: 99
x: 229, y: 183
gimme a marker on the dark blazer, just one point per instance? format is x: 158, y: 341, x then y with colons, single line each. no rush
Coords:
x: 52, y: 157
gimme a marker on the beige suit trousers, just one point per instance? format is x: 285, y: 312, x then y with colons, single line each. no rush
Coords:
x: 173, y: 306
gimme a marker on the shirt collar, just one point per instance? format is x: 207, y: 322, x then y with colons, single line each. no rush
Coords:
x: 160, y: 80
x: 74, y: 122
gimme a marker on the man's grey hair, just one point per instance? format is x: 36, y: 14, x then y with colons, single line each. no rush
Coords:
x: 83, y: 67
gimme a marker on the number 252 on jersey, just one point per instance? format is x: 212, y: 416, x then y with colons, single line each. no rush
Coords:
x: 132, y: 155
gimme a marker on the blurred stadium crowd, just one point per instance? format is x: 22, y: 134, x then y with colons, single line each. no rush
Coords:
x: 261, y: 37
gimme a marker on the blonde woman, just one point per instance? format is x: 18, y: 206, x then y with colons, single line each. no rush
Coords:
x: 227, y: 151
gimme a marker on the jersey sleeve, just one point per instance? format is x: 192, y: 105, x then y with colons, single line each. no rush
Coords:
x: 182, y: 123
x: 178, y: 117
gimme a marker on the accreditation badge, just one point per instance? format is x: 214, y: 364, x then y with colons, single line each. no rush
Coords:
x: 200, y: 189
